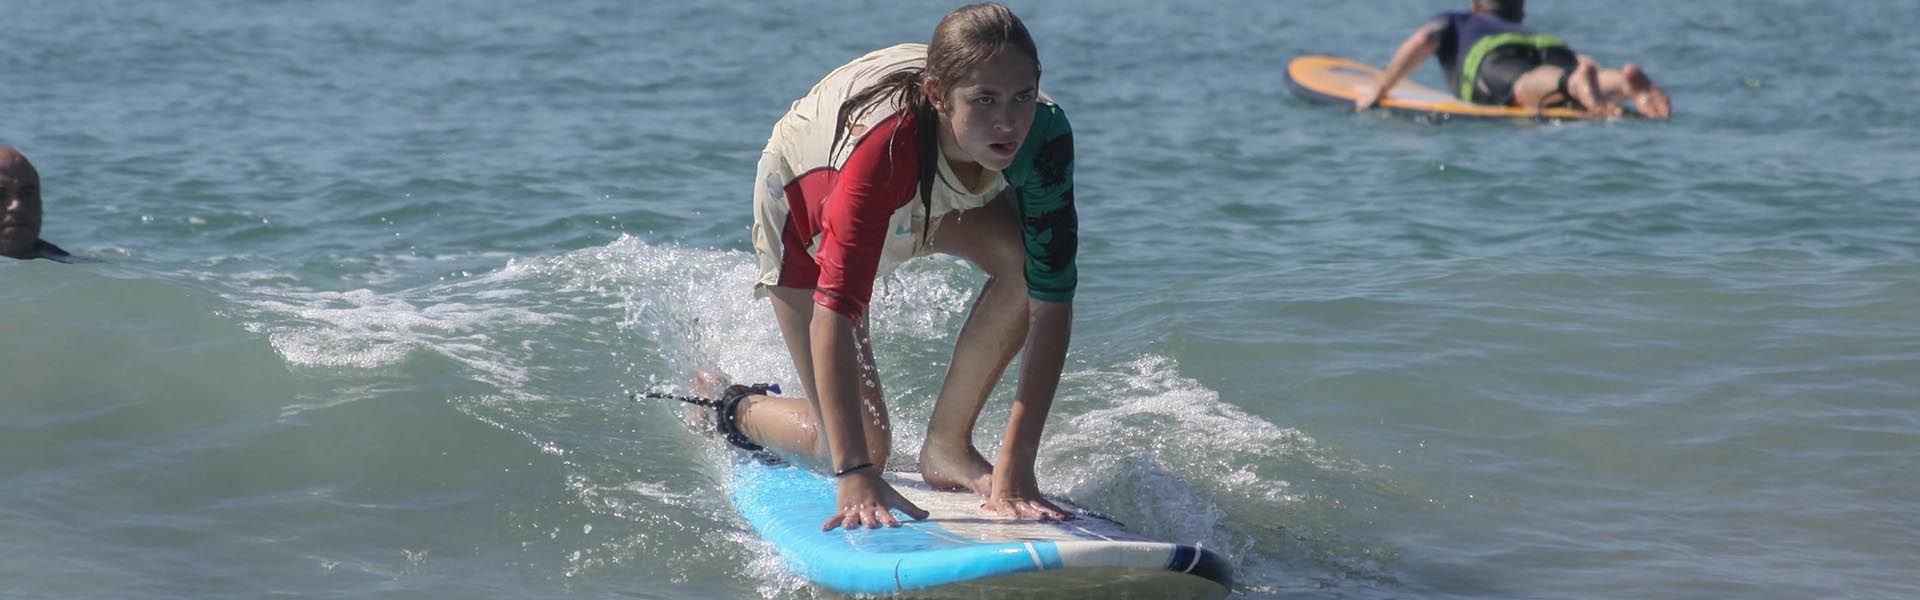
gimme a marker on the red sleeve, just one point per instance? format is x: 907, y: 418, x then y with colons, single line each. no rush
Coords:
x: 877, y: 179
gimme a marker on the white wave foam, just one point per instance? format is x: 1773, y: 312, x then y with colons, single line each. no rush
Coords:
x: 366, y: 329
x: 1152, y: 410
x: 1159, y: 448
x: 698, y: 305
x: 1167, y: 456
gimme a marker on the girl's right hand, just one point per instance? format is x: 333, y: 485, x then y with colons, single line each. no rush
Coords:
x: 865, y: 500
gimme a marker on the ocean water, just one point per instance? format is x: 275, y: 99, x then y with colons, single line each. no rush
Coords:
x: 380, y: 275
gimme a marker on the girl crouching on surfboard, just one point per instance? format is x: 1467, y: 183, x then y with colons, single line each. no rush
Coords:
x: 912, y: 150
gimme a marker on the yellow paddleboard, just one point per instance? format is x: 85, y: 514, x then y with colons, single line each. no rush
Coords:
x: 1335, y: 80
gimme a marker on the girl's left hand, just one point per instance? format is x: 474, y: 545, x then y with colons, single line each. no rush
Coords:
x: 1028, y: 504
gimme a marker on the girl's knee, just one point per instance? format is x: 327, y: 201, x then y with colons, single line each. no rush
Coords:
x: 1015, y: 288
x: 1006, y: 261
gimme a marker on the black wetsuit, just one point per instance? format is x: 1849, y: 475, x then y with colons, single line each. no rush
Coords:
x: 1483, y: 56
x: 45, y: 249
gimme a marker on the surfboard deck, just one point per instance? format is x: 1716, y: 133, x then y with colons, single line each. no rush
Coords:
x: 961, y: 549
x: 1335, y: 80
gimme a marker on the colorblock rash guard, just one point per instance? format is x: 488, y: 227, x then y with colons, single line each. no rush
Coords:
x: 833, y: 220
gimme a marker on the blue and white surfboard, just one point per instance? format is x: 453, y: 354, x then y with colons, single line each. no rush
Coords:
x: 963, y: 549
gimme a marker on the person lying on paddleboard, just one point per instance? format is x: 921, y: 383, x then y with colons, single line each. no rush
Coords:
x: 911, y: 150
x: 20, y: 211
x: 1490, y: 58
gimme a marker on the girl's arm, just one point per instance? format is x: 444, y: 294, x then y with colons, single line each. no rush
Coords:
x: 1016, y: 489
x: 881, y: 171
x: 864, y: 499
x: 1050, y: 230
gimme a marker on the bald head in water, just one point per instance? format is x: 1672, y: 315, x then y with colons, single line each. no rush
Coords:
x: 19, y: 205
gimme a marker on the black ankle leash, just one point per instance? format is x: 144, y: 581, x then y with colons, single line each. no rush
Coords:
x: 724, y: 406
x: 694, y: 400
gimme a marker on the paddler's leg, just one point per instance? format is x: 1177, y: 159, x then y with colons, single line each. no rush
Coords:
x: 993, y: 334
x: 1632, y: 83
x: 1556, y: 83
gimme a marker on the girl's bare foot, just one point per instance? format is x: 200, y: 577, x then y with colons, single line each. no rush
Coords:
x: 950, y: 468
x: 707, y: 383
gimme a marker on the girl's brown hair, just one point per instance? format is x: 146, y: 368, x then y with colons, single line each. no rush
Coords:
x: 967, y: 37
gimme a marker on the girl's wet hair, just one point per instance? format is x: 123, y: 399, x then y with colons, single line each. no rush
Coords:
x: 1512, y: 11
x: 966, y: 38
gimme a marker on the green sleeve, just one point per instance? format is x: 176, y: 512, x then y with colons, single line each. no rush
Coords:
x: 1042, y: 176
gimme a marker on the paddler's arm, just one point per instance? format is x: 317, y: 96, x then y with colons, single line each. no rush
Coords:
x: 1016, y: 490
x: 864, y: 499
x: 1412, y: 53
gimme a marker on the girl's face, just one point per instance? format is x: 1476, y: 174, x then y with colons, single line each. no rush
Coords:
x: 986, y: 114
